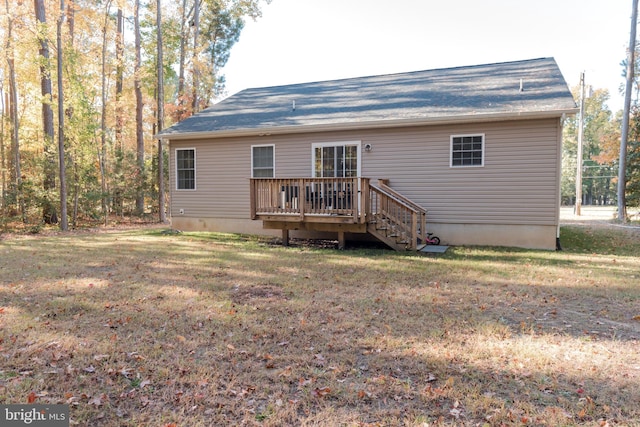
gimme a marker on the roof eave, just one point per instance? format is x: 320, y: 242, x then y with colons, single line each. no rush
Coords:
x: 428, y: 121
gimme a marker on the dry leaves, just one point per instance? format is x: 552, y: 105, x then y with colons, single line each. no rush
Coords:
x: 313, y: 335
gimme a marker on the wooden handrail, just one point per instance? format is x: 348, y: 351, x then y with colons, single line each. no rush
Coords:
x: 396, y: 199
x: 342, y: 197
x: 401, y: 213
x: 422, y: 222
x: 383, y: 185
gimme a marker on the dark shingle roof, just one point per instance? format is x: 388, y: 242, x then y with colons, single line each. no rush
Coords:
x: 478, y: 92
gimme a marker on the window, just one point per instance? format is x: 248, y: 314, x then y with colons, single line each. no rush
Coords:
x: 467, y: 150
x: 336, y: 160
x: 186, y: 169
x: 262, y: 161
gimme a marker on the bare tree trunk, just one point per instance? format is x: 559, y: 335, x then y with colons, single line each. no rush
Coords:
x: 3, y: 161
x: 622, y: 172
x: 71, y: 23
x: 161, y: 201
x: 76, y: 194
x: 49, y: 215
x: 195, y: 63
x: 16, y: 175
x: 103, y: 119
x: 118, y: 201
x: 74, y: 165
x: 183, y: 44
x: 139, y: 107
x: 64, y: 225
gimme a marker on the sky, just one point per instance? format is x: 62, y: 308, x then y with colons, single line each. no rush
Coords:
x: 297, y: 41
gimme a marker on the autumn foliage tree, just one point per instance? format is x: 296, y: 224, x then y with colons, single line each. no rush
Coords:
x: 108, y: 52
x: 610, y: 144
x: 598, y: 184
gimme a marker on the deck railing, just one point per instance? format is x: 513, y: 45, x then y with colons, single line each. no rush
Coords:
x: 388, y: 214
x: 395, y: 213
x: 342, y: 197
x: 420, y: 211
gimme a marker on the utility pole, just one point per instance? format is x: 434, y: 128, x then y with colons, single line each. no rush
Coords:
x: 578, y: 206
x: 622, y: 172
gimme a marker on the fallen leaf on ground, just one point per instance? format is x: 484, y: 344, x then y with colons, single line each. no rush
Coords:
x: 321, y: 392
x: 303, y: 382
x: 285, y: 372
x: 96, y: 401
x: 362, y: 394
x: 455, y: 413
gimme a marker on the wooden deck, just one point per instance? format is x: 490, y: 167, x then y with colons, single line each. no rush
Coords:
x: 341, y: 205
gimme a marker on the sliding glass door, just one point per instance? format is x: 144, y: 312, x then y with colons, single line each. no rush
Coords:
x: 336, y: 160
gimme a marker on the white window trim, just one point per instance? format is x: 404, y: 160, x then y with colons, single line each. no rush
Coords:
x: 274, y: 157
x: 315, y: 145
x: 195, y: 169
x: 451, y: 165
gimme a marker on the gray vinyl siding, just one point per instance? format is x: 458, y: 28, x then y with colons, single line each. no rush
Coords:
x: 223, y: 170
x: 518, y: 183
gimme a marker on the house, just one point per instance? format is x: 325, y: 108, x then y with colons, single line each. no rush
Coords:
x: 471, y: 154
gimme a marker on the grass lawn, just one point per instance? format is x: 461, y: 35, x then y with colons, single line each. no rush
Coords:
x: 140, y: 328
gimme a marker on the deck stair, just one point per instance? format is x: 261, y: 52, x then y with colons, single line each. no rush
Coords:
x: 396, y: 220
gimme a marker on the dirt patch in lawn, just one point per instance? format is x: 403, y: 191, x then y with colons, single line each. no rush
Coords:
x: 256, y: 293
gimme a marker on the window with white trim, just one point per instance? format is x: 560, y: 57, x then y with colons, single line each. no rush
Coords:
x: 186, y: 168
x: 336, y: 160
x: 263, y: 161
x: 467, y: 150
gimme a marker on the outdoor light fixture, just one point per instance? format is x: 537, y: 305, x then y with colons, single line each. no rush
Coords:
x: 368, y: 147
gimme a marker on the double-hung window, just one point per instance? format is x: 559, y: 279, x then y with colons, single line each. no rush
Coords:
x: 186, y: 168
x: 262, y: 161
x: 467, y: 150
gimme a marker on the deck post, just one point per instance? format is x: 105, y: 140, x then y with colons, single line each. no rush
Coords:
x: 365, y: 209
x: 301, y: 198
x: 341, y: 240
x: 414, y: 231
x: 285, y: 237
x: 252, y: 198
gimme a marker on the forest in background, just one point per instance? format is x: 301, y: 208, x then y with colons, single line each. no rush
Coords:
x: 601, y: 149
x: 82, y: 95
